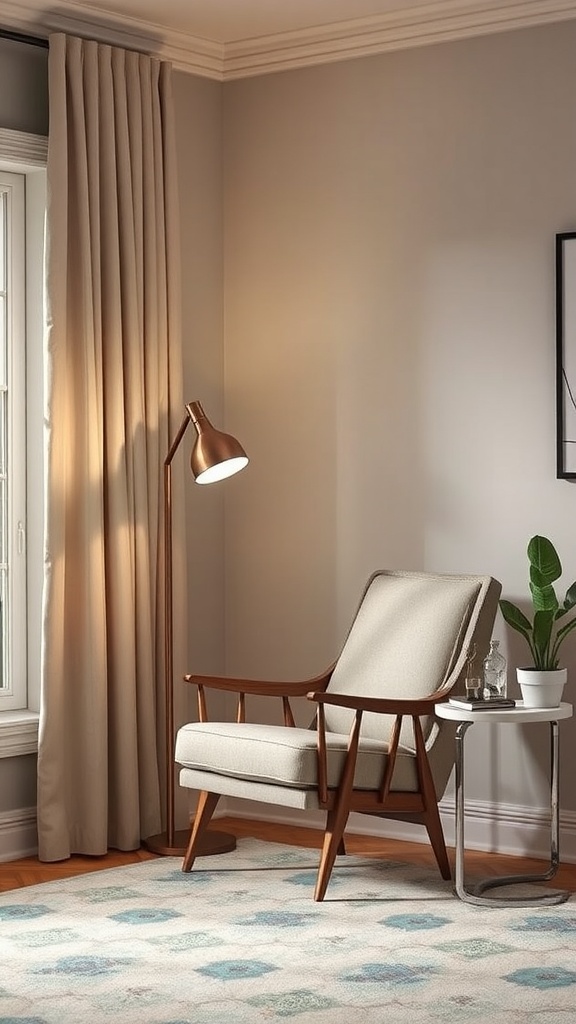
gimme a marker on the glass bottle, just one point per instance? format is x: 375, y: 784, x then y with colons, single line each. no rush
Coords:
x: 472, y: 680
x: 494, y: 672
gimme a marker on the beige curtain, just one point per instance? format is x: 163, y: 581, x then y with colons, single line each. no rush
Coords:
x: 114, y: 400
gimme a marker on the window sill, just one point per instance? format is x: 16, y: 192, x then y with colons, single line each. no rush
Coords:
x: 18, y: 733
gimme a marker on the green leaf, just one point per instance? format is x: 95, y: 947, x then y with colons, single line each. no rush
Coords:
x: 544, y: 598
x: 570, y: 599
x: 537, y: 578
x: 518, y: 621
x: 542, y: 633
x: 543, y: 556
x: 563, y: 633
x: 514, y: 617
x: 561, y: 636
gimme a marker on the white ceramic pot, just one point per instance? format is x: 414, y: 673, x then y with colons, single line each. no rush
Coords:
x: 541, y: 689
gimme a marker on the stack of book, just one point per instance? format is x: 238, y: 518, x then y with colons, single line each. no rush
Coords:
x: 480, y: 703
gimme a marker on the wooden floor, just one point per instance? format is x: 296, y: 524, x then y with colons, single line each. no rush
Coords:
x: 29, y: 871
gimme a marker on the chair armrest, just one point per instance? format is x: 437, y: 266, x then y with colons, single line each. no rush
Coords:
x: 381, y: 705
x: 258, y: 687
x: 261, y: 687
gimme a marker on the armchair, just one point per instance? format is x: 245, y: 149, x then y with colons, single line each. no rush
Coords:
x: 376, y: 746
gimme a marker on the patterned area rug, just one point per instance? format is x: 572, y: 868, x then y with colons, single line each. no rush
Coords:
x: 240, y: 941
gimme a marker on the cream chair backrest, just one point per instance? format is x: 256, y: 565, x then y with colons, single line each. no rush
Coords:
x: 411, y: 636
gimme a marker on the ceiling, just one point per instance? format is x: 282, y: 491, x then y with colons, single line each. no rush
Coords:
x: 236, y: 38
x: 227, y: 21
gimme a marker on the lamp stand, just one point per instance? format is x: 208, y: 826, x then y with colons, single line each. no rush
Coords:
x: 212, y: 842
x: 172, y: 843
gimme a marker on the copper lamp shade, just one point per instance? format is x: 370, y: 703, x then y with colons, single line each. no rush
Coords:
x: 215, y: 456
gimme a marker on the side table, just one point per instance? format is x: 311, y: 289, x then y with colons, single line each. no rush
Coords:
x: 517, y: 715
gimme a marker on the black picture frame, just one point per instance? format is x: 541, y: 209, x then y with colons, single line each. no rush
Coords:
x: 566, y: 355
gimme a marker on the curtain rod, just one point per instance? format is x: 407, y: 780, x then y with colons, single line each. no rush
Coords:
x: 22, y: 37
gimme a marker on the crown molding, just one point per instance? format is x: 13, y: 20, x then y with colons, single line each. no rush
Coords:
x: 420, y: 25
x: 185, y: 52
x: 426, y: 23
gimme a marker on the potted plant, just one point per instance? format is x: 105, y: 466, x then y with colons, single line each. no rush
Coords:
x: 547, y: 631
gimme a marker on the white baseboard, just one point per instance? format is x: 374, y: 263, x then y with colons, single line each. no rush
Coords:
x: 18, y: 836
x: 506, y: 828
x: 496, y: 828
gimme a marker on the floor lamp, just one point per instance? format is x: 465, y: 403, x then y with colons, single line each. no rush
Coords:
x: 214, y: 457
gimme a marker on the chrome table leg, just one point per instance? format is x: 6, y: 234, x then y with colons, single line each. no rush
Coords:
x: 474, y: 895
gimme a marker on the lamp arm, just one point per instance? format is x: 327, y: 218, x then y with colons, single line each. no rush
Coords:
x: 178, y: 438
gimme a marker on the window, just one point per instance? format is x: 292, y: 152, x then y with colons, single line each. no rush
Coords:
x: 13, y: 654
x: 22, y: 209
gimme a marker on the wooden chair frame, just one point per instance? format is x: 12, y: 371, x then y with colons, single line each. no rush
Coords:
x: 420, y: 806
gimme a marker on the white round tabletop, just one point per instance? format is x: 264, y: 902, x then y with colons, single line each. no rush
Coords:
x: 516, y: 715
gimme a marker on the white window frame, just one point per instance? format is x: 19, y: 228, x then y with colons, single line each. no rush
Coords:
x: 26, y: 155
x: 14, y: 655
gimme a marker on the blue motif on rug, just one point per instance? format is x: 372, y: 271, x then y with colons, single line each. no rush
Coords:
x: 185, y: 941
x: 305, y: 878
x: 144, y: 915
x: 547, y: 923
x: 48, y: 937
x: 22, y: 912
x: 474, y: 949
x: 414, y: 922
x: 231, y: 970
x: 110, y: 894
x: 278, y: 919
x: 293, y: 1003
x: 392, y: 974
x: 86, y: 966
x: 179, y: 877
x: 542, y: 977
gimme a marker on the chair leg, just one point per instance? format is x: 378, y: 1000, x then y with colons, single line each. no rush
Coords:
x: 333, y: 844
x: 436, y: 836
x: 431, y: 816
x: 206, y: 806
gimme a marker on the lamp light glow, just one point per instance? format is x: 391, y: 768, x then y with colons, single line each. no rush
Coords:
x: 222, y: 470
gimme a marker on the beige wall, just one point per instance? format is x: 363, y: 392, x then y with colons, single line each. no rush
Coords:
x: 198, y: 104
x: 23, y: 87
x: 198, y: 109
x: 389, y: 345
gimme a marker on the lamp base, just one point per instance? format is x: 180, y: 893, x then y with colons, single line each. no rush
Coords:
x: 211, y: 843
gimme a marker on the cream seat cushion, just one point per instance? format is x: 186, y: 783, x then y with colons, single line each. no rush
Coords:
x: 284, y: 756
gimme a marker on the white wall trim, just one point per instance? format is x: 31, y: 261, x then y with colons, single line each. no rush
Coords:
x: 18, y: 835
x: 428, y: 22
x: 18, y: 733
x: 503, y: 828
x: 23, y: 149
x: 495, y: 828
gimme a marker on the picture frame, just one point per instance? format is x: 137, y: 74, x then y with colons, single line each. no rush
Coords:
x: 566, y: 355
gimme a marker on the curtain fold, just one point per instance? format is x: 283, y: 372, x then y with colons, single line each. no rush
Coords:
x: 114, y: 398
